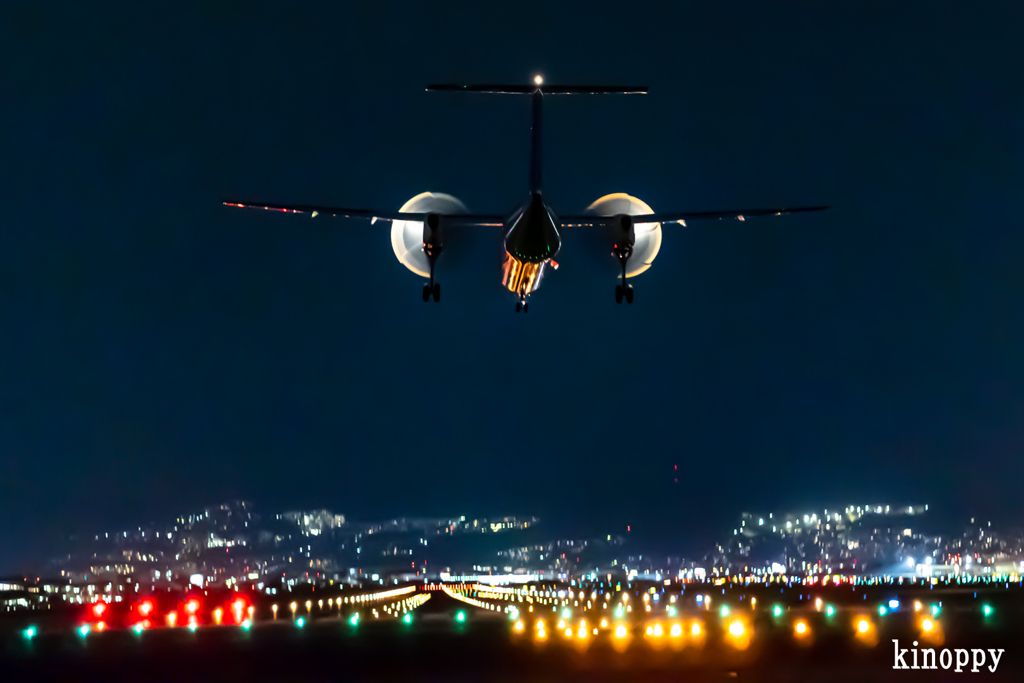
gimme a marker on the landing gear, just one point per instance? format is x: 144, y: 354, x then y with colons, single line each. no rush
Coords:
x: 432, y: 248
x: 432, y: 290
x: 625, y: 290
x: 522, y: 306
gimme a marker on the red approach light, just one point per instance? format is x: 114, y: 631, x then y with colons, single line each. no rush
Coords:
x: 98, y: 609
x: 145, y: 608
x: 191, y: 606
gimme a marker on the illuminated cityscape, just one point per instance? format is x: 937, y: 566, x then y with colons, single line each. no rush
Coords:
x: 232, y: 544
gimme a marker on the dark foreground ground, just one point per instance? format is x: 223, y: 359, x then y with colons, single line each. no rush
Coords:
x: 436, y: 648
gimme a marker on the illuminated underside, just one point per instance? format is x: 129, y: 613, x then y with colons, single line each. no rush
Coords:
x: 521, y: 277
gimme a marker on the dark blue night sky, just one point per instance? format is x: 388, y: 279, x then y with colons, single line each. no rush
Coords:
x: 161, y: 352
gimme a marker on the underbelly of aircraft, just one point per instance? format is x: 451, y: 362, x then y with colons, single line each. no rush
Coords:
x: 522, y: 277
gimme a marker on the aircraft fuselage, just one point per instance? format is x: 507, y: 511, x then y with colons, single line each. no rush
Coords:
x: 531, y: 242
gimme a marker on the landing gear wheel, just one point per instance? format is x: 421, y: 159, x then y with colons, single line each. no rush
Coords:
x: 519, y: 306
x: 618, y: 294
x: 437, y: 291
x: 526, y: 308
x: 426, y: 293
x: 629, y: 295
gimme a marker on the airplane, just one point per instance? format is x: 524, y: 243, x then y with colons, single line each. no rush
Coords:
x: 531, y: 234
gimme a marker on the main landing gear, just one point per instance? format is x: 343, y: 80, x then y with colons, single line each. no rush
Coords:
x: 522, y: 306
x: 625, y: 290
x: 432, y: 290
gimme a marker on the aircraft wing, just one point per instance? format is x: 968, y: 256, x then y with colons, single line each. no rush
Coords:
x: 683, y: 216
x: 374, y: 214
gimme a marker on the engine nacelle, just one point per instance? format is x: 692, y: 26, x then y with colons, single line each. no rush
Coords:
x: 646, y: 236
x: 408, y: 237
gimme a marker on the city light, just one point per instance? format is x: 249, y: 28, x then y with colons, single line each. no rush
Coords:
x: 777, y: 611
x: 460, y: 617
x: 300, y: 622
x: 676, y: 631
x: 927, y: 625
x: 519, y: 626
x: 620, y: 631
x: 83, y: 630
x: 863, y: 625
x: 800, y: 628
x: 736, y: 628
x: 29, y: 633
x: 407, y: 618
x: 695, y: 630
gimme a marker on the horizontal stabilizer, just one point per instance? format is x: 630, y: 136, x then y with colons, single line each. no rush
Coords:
x: 546, y: 89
